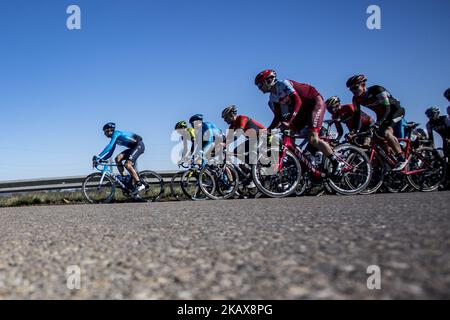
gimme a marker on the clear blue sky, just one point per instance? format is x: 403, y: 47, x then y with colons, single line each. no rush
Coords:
x: 147, y: 64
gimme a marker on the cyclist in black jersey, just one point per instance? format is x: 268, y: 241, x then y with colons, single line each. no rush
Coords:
x: 388, y: 110
x: 439, y: 124
x: 447, y: 95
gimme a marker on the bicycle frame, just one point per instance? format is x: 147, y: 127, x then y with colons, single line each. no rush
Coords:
x: 107, y: 170
x: 289, y: 144
x: 378, y: 147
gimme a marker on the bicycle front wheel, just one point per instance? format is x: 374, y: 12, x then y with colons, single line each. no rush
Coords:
x: 378, y: 173
x: 219, y: 182
x: 175, y: 187
x: 98, y: 188
x: 277, y: 183
x: 191, y: 186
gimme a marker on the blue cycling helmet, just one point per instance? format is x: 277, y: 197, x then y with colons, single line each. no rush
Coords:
x: 196, y: 117
x: 109, y: 125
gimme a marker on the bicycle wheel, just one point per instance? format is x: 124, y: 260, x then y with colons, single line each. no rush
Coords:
x: 356, y: 174
x: 277, y: 183
x: 225, y: 181
x: 191, y: 186
x: 245, y: 192
x: 175, y: 187
x: 396, y: 182
x: 98, y: 188
x: 430, y: 166
x: 378, y: 172
x: 154, y: 185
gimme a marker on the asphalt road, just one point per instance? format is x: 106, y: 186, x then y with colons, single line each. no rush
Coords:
x: 295, y: 248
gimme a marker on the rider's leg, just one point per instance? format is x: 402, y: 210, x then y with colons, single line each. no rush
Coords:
x: 314, y: 123
x: 134, y: 154
x: 130, y: 168
x: 315, y: 141
x: 120, y: 157
x: 388, y: 134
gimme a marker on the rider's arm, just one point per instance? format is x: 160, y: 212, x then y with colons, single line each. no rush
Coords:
x: 340, y: 130
x: 357, y: 115
x: 276, y: 119
x: 296, y: 104
x: 185, y: 148
x: 109, y: 149
x: 430, y: 132
x: 383, y: 99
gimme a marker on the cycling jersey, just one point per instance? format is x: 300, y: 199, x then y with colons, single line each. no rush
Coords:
x: 121, y: 138
x: 191, y: 133
x: 379, y: 100
x: 345, y: 114
x: 188, y: 133
x: 298, y: 104
x: 441, y: 125
x: 210, y: 133
x: 246, y: 123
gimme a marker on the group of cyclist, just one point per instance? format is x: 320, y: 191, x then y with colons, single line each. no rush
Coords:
x: 296, y: 106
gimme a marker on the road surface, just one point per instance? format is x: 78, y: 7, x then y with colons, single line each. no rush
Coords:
x: 294, y: 248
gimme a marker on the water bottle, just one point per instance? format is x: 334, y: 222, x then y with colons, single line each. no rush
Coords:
x: 310, y: 157
x: 319, y: 157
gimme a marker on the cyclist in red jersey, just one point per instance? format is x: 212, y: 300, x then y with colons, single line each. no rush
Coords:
x: 344, y: 114
x: 296, y: 106
x: 250, y: 127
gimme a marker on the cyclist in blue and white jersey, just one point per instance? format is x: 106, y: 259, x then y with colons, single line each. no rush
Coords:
x: 135, y: 147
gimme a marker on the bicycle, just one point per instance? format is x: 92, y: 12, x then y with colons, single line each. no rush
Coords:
x: 190, y: 181
x: 281, y: 179
x: 245, y: 180
x: 225, y: 178
x: 424, y: 171
x: 312, y: 187
x: 100, y: 187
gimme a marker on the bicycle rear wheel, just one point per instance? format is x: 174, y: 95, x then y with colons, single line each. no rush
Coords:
x: 378, y: 172
x: 154, y: 185
x: 433, y: 166
x: 97, y: 188
x: 175, y: 187
x: 277, y: 183
x: 356, y: 173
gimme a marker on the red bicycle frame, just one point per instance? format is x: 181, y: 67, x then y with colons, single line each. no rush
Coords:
x: 288, y: 144
x: 379, y: 147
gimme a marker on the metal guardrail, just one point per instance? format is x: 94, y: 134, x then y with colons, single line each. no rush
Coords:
x: 62, y: 183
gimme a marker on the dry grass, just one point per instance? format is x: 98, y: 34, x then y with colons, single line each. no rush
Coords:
x: 64, y: 197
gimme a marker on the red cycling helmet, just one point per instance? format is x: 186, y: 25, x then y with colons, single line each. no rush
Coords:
x: 356, y: 80
x: 266, y: 77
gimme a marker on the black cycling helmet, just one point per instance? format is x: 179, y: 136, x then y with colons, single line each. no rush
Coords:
x: 109, y: 125
x: 360, y: 78
x: 229, y: 111
x: 332, y: 103
x: 181, y: 125
x: 196, y: 117
x: 432, y: 111
x: 447, y: 93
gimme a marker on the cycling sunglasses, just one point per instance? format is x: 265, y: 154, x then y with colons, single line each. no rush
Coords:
x: 355, y: 87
